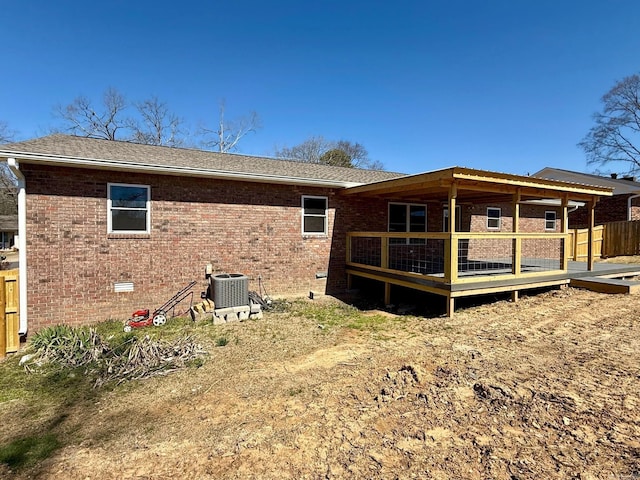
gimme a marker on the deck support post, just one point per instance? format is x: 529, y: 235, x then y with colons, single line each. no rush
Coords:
x: 515, y: 296
x: 516, y: 254
x: 387, y: 293
x: 451, y: 305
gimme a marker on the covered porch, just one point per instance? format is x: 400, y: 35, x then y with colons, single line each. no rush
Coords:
x: 481, y: 254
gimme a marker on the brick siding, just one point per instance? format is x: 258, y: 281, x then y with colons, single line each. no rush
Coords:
x: 608, y: 209
x: 238, y: 227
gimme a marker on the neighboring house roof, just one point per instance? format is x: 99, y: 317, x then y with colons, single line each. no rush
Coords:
x: 620, y: 186
x: 85, y: 152
x: 8, y: 223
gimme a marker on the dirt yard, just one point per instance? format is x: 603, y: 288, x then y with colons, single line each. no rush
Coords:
x: 545, y: 388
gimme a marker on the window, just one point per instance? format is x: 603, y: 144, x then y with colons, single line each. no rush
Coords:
x: 445, y: 218
x: 314, y: 215
x: 405, y: 217
x: 493, y: 218
x: 550, y: 220
x: 128, y: 208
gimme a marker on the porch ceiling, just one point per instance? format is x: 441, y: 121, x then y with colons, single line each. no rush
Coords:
x: 476, y: 186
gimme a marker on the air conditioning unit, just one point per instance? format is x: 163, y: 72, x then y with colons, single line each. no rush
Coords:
x: 230, y: 290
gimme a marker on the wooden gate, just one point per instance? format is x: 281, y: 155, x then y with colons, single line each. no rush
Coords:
x: 578, y: 250
x: 9, y: 314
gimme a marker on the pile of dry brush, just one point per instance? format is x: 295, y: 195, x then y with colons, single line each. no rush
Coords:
x: 130, y: 358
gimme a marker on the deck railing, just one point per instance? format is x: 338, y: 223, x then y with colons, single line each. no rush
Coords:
x: 460, y: 257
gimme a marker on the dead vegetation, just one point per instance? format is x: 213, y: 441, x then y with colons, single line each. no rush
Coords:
x: 544, y: 388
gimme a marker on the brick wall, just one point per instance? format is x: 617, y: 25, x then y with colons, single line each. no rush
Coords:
x: 532, y: 220
x: 608, y: 209
x: 238, y: 227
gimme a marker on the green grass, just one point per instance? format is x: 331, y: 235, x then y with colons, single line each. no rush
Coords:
x: 338, y: 315
x: 28, y: 451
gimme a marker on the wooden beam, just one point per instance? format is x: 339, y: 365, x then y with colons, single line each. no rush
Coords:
x: 387, y: 293
x: 3, y: 319
x: 384, y: 254
x: 451, y: 245
x: 592, y: 223
x: 516, y: 263
x: 564, y: 228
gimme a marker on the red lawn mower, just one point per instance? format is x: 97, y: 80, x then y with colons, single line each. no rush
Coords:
x: 143, y: 318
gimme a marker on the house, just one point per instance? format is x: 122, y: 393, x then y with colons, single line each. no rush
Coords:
x: 623, y: 205
x: 8, y: 231
x: 109, y: 227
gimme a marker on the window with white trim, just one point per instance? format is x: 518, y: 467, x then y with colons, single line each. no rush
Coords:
x: 407, y: 217
x: 493, y: 218
x: 314, y: 215
x: 128, y: 208
x: 550, y: 220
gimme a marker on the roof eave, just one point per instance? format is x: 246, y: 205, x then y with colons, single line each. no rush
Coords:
x: 97, y: 164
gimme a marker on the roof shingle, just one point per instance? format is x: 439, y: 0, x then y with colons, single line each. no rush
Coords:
x: 131, y: 154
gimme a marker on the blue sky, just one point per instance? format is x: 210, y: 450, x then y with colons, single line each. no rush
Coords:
x: 499, y: 85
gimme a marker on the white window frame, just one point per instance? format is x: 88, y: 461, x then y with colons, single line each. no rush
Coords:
x: 407, y: 225
x: 499, y: 210
x: 555, y: 220
x: 303, y: 215
x: 110, y: 208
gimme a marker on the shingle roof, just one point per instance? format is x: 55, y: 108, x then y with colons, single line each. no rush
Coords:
x: 620, y: 186
x: 128, y: 154
x: 8, y: 223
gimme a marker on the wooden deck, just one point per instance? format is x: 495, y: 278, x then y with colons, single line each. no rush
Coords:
x: 496, y: 283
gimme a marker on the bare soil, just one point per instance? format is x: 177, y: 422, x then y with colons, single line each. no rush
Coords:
x: 545, y: 388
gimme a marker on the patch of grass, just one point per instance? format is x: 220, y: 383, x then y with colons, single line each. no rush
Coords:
x: 14, y: 384
x: 28, y: 451
x: 221, y: 341
x: 340, y: 315
x: 295, y: 391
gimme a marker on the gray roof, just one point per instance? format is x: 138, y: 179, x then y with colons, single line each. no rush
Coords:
x: 97, y: 153
x: 9, y: 223
x: 620, y: 186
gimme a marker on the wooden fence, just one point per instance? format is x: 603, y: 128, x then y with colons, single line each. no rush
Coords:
x: 621, y: 238
x: 578, y: 245
x: 610, y: 240
x: 9, y: 314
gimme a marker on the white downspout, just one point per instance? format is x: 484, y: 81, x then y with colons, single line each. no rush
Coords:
x: 22, y: 242
x: 629, y: 201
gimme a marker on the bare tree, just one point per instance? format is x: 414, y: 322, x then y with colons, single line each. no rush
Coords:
x: 342, y: 153
x: 359, y: 155
x: 309, y: 151
x: 336, y: 157
x: 156, y: 125
x: 8, y: 182
x: 615, y: 137
x: 226, y: 137
x: 81, y: 118
x: 6, y: 134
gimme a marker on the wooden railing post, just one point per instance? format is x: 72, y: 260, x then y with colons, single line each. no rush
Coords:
x: 3, y: 319
x: 384, y: 254
x: 516, y: 254
x: 564, y: 261
x: 451, y: 244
